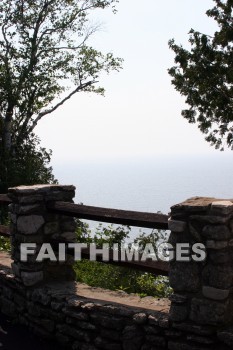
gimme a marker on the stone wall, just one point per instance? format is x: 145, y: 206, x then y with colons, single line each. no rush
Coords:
x: 202, y: 290
x: 32, y: 223
x: 200, y: 316
x: 62, y: 312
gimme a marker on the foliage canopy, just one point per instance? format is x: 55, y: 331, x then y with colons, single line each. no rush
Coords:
x: 204, y: 75
x: 45, y: 60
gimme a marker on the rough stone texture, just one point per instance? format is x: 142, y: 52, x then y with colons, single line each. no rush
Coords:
x: 226, y: 337
x: 178, y: 312
x: 176, y: 226
x: 194, y: 328
x: 29, y: 225
x: 82, y: 317
x: 201, y: 307
x: 216, y: 244
x: 179, y: 345
x: 219, y: 276
x: 140, y: 318
x: 216, y: 232
x: 204, y: 311
x: 199, y: 339
x: 222, y: 207
x: 31, y: 278
x: 184, y: 276
x: 215, y: 293
x: 207, y: 284
x: 32, y: 223
x: 178, y: 298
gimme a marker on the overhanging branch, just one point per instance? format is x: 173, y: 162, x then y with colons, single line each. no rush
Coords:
x: 49, y: 111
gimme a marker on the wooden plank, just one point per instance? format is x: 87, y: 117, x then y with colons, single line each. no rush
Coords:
x: 116, y: 216
x: 4, y: 231
x: 5, y: 199
x: 156, y: 267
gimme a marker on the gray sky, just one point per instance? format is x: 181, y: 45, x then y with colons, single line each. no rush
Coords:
x: 140, y: 113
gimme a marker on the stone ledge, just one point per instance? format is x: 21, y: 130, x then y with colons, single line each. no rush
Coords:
x: 24, y: 190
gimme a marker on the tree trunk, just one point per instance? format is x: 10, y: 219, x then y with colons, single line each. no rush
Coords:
x: 7, y: 131
x: 7, y: 136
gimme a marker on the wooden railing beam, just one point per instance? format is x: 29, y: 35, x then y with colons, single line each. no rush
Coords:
x: 116, y: 216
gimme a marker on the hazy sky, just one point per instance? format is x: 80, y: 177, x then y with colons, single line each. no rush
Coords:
x: 140, y: 113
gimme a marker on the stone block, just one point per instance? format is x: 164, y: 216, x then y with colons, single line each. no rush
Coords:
x: 223, y: 207
x: 110, y: 334
x: 226, y: 336
x: 152, y: 329
x: 58, y: 317
x: 62, y: 339
x: 20, y: 301
x: 74, y: 332
x: 106, y: 345
x: 164, y: 321
x: 132, y: 338
x: 30, y: 199
x: 176, y: 225
x: 156, y: 340
x: 77, y: 345
x: 31, y: 278
x: 28, y: 209
x: 171, y: 333
x: 201, y: 340
x: 216, y: 232
x: 107, y: 322
x: 116, y: 310
x: 208, y: 312
x: 65, y: 196
x: 222, y: 256
x: 140, y: 318
x: 81, y: 324
x: 194, y: 232
x: 68, y: 225
x: 194, y: 328
x: 216, y: 244
x: 40, y: 295
x: 51, y: 228
x: 153, y: 320
x: 76, y: 316
x: 59, y: 273
x: 179, y: 345
x: 215, y: 293
x: 208, y: 219
x: 8, y: 307
x: 40, y: 189
x: 178, y: 298
x: 15, y: 269
x: 13, y: 218
x: 184, y: 276
x: 218, y: 276
x: 47, y: 324
x: 41, y: 332
x: 178, y: 313
x: 20, y: 238
x: 69, y: 236
x: 30, y: 225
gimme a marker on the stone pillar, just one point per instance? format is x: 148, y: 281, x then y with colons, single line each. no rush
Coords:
x: 32, y: 223
x: 202, y: 290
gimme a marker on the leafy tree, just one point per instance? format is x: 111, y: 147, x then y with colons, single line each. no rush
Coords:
x: 45, y: 60
x: 204, y: 75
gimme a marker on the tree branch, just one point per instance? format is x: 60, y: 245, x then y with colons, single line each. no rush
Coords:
x: 49, y: 111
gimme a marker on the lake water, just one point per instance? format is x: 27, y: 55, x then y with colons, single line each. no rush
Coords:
x: 153, y: 184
